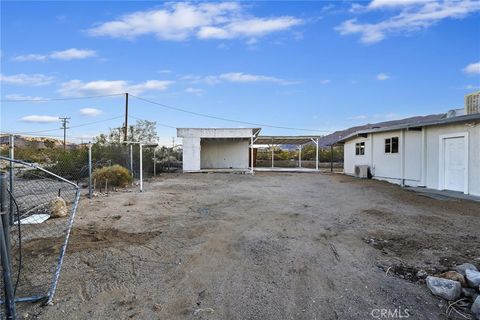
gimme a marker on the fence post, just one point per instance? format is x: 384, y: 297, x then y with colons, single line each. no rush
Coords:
x: 11, y: 155
x: 90, y: 170
x: 154, y: 164
x: 131, y: 160
x: 331, y: 158
x: 5, y: 252
x: 141, y: 167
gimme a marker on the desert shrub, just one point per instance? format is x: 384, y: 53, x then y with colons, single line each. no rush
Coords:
x: 116, y: 176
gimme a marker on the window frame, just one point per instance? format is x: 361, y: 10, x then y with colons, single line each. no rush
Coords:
x: 389, y: 144
x: 360, y: 148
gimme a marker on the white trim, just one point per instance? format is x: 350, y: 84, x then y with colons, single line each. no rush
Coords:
x: 441, y: 159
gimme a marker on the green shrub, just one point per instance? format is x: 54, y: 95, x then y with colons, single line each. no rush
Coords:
x: 116, y: 176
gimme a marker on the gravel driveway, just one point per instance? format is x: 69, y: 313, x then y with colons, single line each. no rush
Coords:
x: 269, y: 246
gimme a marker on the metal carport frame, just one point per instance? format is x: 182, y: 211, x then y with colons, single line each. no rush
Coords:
x: 292, y: 140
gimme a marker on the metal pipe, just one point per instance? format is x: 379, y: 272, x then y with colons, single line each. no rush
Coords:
x: 90, y: 192
x: 34, y: 166
x: 331, y: 158
x: 251, y: 153
x: 316, y: 154
x: 5, y: 254
x: 141, y: 167
x: 56, y: 275
x: 300, y: 156
x: 273, y: 156
x: 11, y: 153
x: 131, y: 160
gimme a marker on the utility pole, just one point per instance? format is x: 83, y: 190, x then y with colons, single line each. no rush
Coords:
x: 125, y: 130
x: 64, y: 127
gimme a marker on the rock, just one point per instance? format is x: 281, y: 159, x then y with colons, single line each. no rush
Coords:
x: 455, y: 276
x: 465, y: 266
x: 476, y: 308
x: 444, y: 288
x: 469, y: 292
x: 473, y: 278
x: 422, y: 274
x: 58, y: 208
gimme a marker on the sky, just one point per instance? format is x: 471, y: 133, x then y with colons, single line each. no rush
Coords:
x: 318, y: 66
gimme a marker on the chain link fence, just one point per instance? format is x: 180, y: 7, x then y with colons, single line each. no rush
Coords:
x: 78, y: 162
x: 38, y: 209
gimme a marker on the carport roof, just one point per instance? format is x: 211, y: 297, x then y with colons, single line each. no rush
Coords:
x: 298, y: 140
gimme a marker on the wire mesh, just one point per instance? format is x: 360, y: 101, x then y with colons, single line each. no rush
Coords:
x: 41, y: 207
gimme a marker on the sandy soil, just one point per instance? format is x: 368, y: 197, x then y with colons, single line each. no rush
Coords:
x: 269, y: 246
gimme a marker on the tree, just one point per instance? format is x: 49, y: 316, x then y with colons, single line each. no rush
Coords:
x: 143, y: 131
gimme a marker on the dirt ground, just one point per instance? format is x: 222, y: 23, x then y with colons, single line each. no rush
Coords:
x: 269, y: 246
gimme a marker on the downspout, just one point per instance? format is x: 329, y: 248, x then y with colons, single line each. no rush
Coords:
x: 423, y: 178
x: 372, y: 167
x: 402, y: 159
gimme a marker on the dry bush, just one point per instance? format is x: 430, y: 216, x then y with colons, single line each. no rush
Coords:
x: 116, y: 176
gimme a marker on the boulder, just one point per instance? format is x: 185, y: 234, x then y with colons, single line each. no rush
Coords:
x: 469, y: 293
x: 464, y: 267
x: 444, y: 288
x: 476, y: 308
x: 473, y: 278
x: 58, y: 208
x: 455, y: 276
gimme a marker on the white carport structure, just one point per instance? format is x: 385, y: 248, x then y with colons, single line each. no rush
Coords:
x: 218, y: 149
x: 299, y: 141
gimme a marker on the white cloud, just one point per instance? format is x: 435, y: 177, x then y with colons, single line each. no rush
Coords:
x: 78, y: 88
x: 31, y: 57
x: 235, y: 77
x: 195, y: 91
x: 181, y: 21
x: 165, y: 71
x: 72, y: 53
x: 241, y: 77
x: 375, y: 4
x: 90, y: 112
x: 325, y: 81
x: 411, y: 18
x: 471, y: 87
x: 23, y: 97
x: 359, y: 117
x: 472, y: 68
x: 26, y: 79
x: 39, y: 119
x: 68, y: 54
x: 383, y: 76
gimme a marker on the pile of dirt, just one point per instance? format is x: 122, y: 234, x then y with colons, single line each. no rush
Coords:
x: 88, y: 239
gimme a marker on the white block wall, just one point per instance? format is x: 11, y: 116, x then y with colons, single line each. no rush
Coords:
x: 191, y: 154
x: 389, y: 166
x: 224, y: 154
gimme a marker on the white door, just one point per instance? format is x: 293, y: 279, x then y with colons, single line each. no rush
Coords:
x: 455, y: 166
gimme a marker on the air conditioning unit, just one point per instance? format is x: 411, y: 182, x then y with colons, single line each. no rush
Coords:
x: 361, y: 171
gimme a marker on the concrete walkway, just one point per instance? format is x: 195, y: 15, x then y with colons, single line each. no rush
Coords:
x: 443, y: 194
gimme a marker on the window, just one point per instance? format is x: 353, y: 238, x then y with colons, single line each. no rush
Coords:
x: 360, y: 148
x: 391, y: 145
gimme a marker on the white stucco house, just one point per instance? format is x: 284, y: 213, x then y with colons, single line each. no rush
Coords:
x: 206, y: 149
x: 441, y: 154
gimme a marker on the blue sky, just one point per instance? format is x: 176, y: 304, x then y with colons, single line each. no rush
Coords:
x: 316, y: 65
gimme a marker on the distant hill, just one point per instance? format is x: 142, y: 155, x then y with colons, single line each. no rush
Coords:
x: 332, y: 138
x: 34, y: 142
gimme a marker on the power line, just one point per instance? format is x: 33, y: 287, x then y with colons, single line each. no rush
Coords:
x: 224, y: 119
x: 61, y: 99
